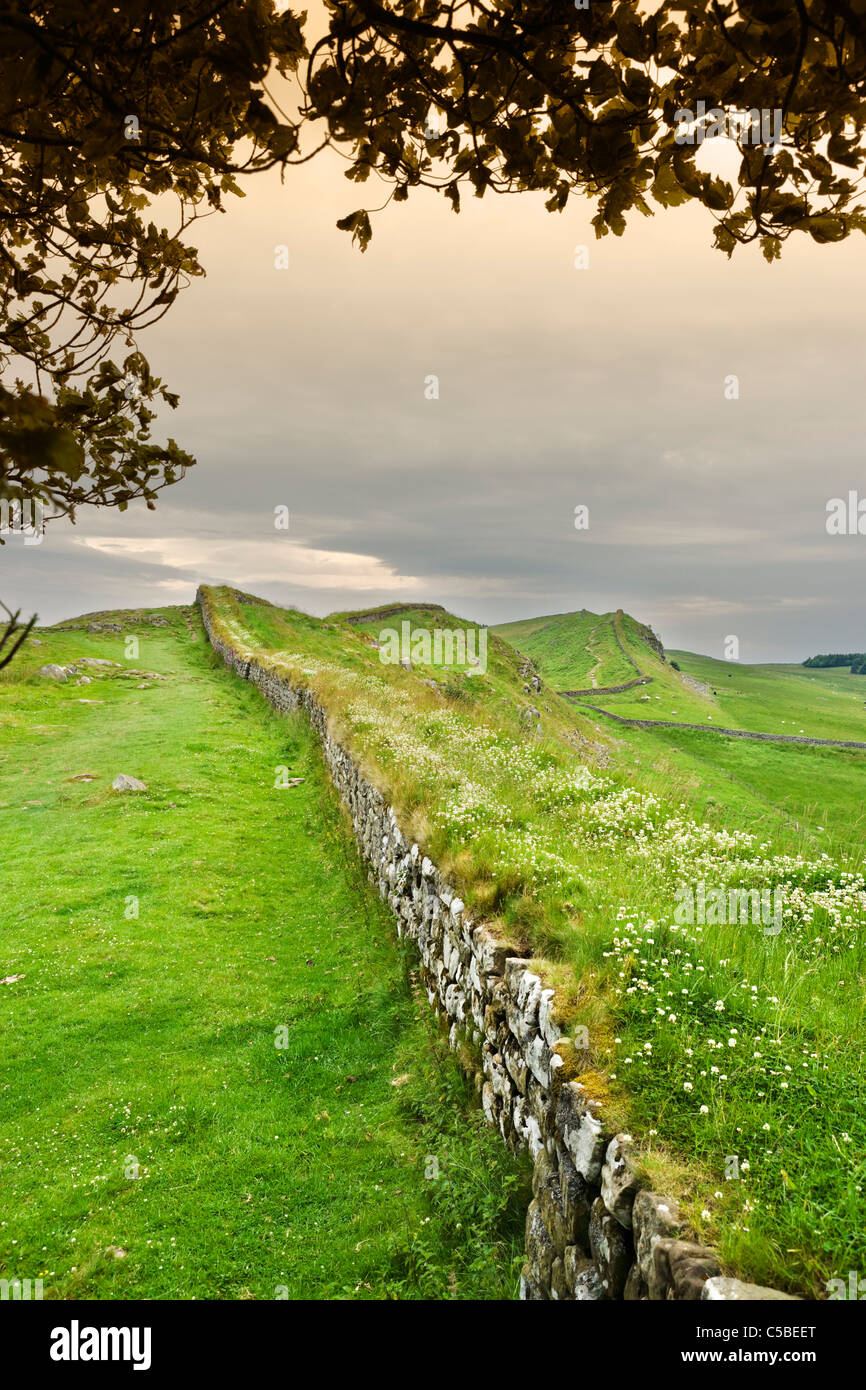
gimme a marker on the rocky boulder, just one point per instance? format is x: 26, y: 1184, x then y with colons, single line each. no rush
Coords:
x: 124, y: 783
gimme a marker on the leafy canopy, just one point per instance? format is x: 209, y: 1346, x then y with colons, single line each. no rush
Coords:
x: 107, y: 110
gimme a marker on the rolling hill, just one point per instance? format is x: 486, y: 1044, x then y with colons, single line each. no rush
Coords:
x: 599, y: 660
x: 813, y: 794
x: 571, y: 833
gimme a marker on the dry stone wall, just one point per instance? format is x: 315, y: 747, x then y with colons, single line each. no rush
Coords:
x: 591, y: 1232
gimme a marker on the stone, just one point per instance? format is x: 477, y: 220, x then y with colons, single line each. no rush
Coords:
x: 680, y: 1270
x: 52, y: 672
x: 492, y: 1063
x: 577, y: 1199
x: 550, y: 1031
x: 653, y: 1218
x: 583, y: 1278
x: 610, y: 1248
x: 619, y: 1181
x: 516, y: 1068
x: 542, y: 1171
x: 488, y: 1103
x: 540, y: 1253
x: 581, y: 1275
x: 124, y: 783
x: 718, y: 1289
x: 635, y: 1290
x: 549, y: 1198
x: 515, y: 967
x: 538, y: 1059
x: 532, y: 1136
x: 587, y: 1285
x: 570, y: 1106
x: 559, y: 1289
x: 582, y: 1137
x: 84, y: 680
x: 529, y: 996
x: 490, y: 953
x: 95, y: 661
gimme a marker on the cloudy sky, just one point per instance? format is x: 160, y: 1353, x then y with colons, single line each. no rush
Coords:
x: 558, y: 387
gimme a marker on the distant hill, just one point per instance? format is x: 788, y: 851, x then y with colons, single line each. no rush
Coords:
x: 586, y: 651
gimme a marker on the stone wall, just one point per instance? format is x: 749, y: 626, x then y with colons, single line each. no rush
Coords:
x: 711, y: 728
x: 590, y: 1232
x: 608, y: 689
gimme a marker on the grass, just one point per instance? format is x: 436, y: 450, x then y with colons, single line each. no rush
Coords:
x: 784, y: 699
x: 553, y: 830
x: 165, y: 943
x: 812, y: 796
x: 810, y: 799
x: 573, y: 651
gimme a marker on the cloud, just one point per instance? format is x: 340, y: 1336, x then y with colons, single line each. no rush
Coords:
x: 272, y: 560
x: 558, y: 387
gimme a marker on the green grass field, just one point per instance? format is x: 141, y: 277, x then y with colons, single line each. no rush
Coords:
x: 809, y: 799
x: 812, y: 796
x: 706, y: 1040
x: 783, y: 698
x: 567, y: 832
x: 200, y: 989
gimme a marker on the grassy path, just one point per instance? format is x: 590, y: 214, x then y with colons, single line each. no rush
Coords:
x: 215, y: 1082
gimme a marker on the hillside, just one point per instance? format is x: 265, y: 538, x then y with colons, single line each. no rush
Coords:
x: 564, y: 836
x: 216, y: 1082
x: 572, y: 650
x: 783, y: 698
x: 808, y: 796
x: 591, y: 653
x: 586, y: 654
x: 568, y: 833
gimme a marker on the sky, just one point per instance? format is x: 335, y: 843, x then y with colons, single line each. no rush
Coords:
x: 558, y: 387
